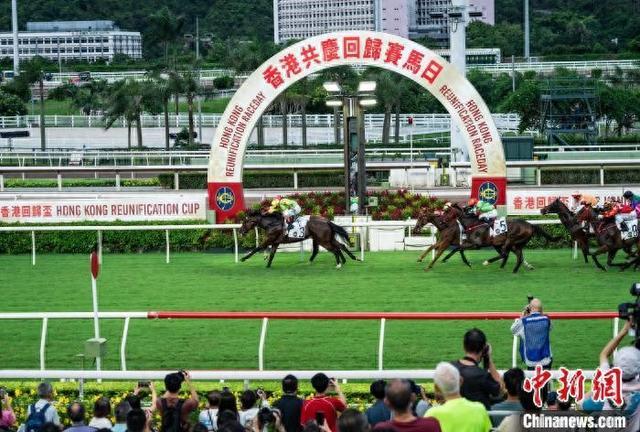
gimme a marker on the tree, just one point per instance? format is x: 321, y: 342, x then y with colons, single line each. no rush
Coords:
x: 390, y: 91
x: 11, y: 105
x: 190, y: 89
x: 526, y: 102
x: 165, y: 27
x: 87, y: 98
x: 128, y: 99
x: 300, y: 95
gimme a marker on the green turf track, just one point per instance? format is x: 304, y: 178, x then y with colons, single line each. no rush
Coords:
x: 390, y: 281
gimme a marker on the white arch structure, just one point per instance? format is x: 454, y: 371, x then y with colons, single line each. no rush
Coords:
x: 375, y: 49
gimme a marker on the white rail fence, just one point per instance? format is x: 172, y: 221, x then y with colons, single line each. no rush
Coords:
x: 504, y: 122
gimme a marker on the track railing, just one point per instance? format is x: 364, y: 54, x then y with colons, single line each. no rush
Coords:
x: 265, y: 317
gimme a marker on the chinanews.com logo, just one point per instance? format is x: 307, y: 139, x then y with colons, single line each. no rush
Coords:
x: 225, y: 198
x: 488, y: 192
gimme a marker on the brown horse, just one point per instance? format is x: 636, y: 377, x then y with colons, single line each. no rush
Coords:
x: 609, y: 238
x: 322, y: 231
x: 448, y: 235
x: 518, y: 234
x: 570, y: 222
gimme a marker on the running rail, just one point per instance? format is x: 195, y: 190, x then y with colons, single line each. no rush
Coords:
x: 382, y: 317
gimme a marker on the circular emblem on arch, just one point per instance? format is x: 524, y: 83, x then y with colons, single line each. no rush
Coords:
x: 488, y: 192
x: 225, y: 198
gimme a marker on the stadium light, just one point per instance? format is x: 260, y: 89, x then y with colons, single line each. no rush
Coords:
x: 332, y: 87
x: 366, y: 86
x: 334, y: 103
x: 368, y: 102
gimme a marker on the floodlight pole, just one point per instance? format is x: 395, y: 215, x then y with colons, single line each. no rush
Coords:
x: 14, y: 27
x: 457, y: 43
x: 354, y: 143
x: 526, y: 30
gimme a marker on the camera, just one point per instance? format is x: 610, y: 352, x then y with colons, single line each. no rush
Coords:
x: 143, y: 384
x: 266, y: 416
x: 631, y: 311
x: 3, y: 393
x: 527, y: 308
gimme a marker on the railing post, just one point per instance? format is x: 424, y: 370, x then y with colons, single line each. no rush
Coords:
x: 176, y: 181
x: 575, y: 250
x: 381, y: 344
x: 1, y: 182
x: 43, y: 342
x: 538, y: 176
x: 257, y: 240
x: 123, y: 345
x: 601, y: 175
x: 33, y: 248
x: 59, y: 178
x: 364, y: 235
x: 117, y: 181
x: 514, y: 352
x: 166, y: 235
x: 295, y: 180
x: 235, y: 244
x: 263, y: 336
x: 100, y: 246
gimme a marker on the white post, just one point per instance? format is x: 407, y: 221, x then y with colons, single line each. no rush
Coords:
x: 33, y: 248
x: 514, y: 352
x: 166, y: 236
x: 457, y: 42
x: 43, y: 341
x: 235, y: 244
x: 257, y: 240
x: 96, y: 322
x: 575, y: 250
x: 616, y: 326
x: 301, y: 251
x: 1, y: 182
x: 176, y: 181
x: 59, y: 177
x: 601, y: 175
x: 100, y: 247
x: 123, y: 344
x: 364, y: 235
x: 263, y: 336
x: 538, y: 176
x: 295, y: 180
x: 14, y: 28
x: 117, y: 181
x: 381, y: 343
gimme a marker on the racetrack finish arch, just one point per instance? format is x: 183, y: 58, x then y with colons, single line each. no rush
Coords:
x: 386, y: 51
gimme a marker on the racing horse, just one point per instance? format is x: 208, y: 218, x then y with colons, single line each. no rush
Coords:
x: 448, y: 235
x: 570, y: 222
x: 322, y: 231
x: 609, y: 239
x: 518, y: 234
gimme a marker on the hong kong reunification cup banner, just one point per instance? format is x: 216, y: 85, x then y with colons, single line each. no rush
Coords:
x: 407, y: 58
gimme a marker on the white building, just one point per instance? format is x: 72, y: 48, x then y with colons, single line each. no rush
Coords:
x: 300, y: 19
x: 429, y: 17
x: 73, y: 40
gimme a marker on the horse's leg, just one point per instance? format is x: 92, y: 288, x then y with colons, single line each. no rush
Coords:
x: 439, y: 252
x: 495, y: 258
x: 584, y: 246
x: 429, y: 249
x: 594, y: 256
x: 518, y: 252
x: 274, y: 248
x: 451, y: 253
x: 610, y: 257
x: 464, y: 258
x: 255, y: 250
x: 314, y: 251
x: 336, y: 253
x: 348, y: 252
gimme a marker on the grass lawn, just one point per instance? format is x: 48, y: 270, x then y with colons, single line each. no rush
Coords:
x: 384, y: 282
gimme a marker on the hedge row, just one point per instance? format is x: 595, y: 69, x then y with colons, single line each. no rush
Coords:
x: 591, y: 176
x: 49, y: 183
x: 121, y: 241
x: 260, y: 179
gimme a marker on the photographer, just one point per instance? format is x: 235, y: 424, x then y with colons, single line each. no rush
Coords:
x: 533, y: 329
x: 628, y: 360
x: 322, y: 403
x: 173, y: 410
x: 479, y: 384
x: 266, y: 417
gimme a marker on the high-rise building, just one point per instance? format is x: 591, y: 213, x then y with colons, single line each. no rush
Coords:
x: 73, y: 40
x: 429, y: 17
x: 300, y: 19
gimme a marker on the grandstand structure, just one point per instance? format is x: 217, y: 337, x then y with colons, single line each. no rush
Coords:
x: 568, y: 108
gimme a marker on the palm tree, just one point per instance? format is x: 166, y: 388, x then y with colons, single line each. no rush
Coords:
x: 128, y: 99
x: 299, y: 95
x: 163, y: 91
x: 190, y: 89
x: 176, y: 84
x: 390, y: 92
x: 166, y: 27
x: 283, y: 100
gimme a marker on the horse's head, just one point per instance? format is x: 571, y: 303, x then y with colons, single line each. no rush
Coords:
x: 421, y: 220
x: 251, y: 220
x: 554, y: 207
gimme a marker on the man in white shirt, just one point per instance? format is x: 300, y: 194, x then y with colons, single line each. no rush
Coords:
x: 45, y: 393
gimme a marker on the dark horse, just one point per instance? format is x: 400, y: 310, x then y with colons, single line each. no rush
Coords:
x: 609, y: 239
x: 518, y: 234
x: 448, y: 235
x: 322, y: 231
x: 570, y: 222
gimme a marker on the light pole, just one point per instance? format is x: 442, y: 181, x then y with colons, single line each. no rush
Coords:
x: 353, y: 105
x: 14, y: 27
x: 526, y: 30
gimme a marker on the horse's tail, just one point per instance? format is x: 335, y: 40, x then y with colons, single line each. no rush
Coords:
x: 340, y: 232
x: 537, y: 230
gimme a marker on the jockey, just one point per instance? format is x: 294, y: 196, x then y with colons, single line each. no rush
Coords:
x: 485, y: 211
x: 628, y: 211
x: 580, y: 200
x: 288, y: 207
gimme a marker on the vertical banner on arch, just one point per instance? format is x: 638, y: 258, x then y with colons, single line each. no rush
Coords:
x: 382, y: 50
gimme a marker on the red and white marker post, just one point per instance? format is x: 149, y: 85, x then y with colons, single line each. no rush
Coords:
x: 95, y: 269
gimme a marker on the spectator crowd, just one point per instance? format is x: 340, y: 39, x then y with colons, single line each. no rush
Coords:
x: 469, y: 395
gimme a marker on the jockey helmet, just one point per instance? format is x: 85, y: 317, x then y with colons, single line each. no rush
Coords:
x: 628, y: 194
x: 447, y: 205
x: 576, y: 194
x: 472, y: 201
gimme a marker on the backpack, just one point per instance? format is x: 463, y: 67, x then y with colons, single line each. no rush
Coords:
x: 36, y: 418
x: 171, y: 417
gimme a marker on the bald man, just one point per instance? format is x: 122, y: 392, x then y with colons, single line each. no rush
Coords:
x: 533, y: 328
